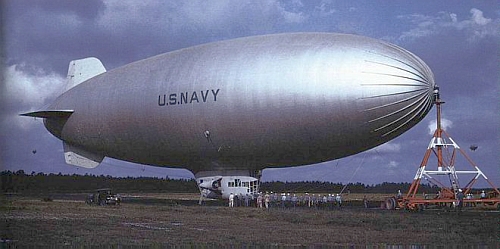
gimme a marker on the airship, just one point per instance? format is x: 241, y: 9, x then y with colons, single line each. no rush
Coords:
x: 227, y: 110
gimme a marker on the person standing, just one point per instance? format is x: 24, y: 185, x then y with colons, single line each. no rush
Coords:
x: 460, y: 199
x: 294, y: 200
x: 338, y: 199
x: 236, y: 200
x: 247, y: 200
x: 241, y: 201
x: 231, y: 200
x: 266, y: 200
x: 331, y: 201
x: 259, y: 200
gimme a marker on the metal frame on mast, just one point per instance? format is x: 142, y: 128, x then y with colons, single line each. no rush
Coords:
x: 442, y: 145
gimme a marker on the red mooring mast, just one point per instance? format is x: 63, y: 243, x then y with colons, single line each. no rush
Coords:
x: 444, y: 149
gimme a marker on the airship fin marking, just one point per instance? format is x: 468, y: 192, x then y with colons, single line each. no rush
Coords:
x: 49, y: 114
x: 80, y: 157
x: 82, y: 70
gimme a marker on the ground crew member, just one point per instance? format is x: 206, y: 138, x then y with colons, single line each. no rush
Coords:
x: 338, y: 199
x: 236, y: 200
x: 231, y: 200
x: 247, y: 200
x: 460, y: 199
x: 266, y: 200
x: 294, y: 200
x: 259, y: 201
x: 331, y: 201
x: 241, y: 201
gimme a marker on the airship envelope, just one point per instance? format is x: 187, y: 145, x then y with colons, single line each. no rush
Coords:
x: 234, y: 107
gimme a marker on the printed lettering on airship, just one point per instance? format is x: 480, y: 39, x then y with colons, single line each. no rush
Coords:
x: 182, y: 98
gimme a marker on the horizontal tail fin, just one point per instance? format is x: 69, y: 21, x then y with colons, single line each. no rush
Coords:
x: 49, y: 114
x: 82, y: 70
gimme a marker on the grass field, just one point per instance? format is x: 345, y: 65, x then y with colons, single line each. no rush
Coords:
x: 29, y: 221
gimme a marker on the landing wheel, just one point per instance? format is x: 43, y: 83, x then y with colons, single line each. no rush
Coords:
x: 390, y: 203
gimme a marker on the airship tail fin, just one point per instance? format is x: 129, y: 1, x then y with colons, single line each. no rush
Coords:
x: 73, y: 155
x: 49, y: 114
x: 80, y: 157
x: 82, y: 70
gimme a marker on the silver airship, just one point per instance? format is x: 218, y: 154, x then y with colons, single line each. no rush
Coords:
x: 228, y: 109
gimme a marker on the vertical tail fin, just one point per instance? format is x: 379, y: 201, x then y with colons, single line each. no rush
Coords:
x: 80, y: 157
x: 82, y: 70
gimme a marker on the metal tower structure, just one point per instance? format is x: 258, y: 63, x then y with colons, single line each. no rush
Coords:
x: 446, y: 152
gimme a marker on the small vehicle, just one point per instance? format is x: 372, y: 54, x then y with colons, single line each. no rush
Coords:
x: 103, y: 197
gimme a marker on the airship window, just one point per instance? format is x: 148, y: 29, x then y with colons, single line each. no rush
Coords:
x: 237, y: 182
x: 230, y: 184
x: 253, y: 186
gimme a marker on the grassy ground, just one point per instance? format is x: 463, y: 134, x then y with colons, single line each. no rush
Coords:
x: 33, y: 222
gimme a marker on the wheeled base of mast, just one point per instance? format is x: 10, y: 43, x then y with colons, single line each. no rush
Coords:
x: 446, y: 152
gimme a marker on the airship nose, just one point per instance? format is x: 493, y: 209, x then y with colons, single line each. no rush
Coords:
x: 397, y: 92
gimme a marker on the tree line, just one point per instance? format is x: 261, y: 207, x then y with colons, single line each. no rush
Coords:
x: 20, y: 182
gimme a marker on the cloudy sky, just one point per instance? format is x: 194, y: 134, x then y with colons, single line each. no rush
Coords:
x: 458, y: 40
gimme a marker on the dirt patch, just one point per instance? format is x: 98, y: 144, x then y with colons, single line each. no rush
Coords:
x: 33, y: 222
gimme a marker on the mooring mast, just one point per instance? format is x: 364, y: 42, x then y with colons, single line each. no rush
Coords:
x: 445, y: 149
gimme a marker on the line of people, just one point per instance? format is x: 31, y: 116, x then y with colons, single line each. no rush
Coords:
x: 286, y: 200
